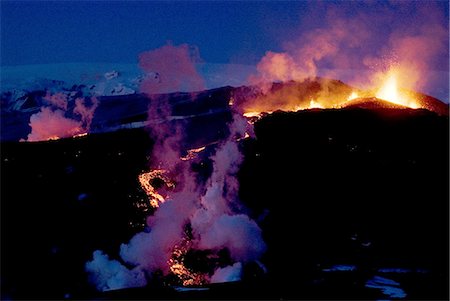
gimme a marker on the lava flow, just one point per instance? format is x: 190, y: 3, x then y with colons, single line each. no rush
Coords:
x: 178, y: 268
x: 149, y: 180
x: 192, y: 153
x: 176, y: 262
x: 210, y: 206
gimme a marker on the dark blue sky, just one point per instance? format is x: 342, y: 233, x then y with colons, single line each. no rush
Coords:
x: 35, y: 32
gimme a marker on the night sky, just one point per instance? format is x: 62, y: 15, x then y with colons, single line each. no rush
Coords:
x: 41, y: 32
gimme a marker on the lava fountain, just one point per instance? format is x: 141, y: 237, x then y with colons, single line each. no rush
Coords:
x: 389, y: 91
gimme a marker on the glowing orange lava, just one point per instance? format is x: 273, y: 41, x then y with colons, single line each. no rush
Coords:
x: 353, y: 95
x: 315, y: 105
x: 312, y: 105
x: 389, y: 91
x: 80, y: 135
x: 385, y: 86
x: 177, y: 267
x: 53, y: 138
x: 254, y: 114
x: 146, y: 179
x: 192, y: 153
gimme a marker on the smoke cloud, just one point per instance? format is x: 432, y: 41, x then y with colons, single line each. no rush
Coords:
x: 413, y: 51
x: 58, y: 100
x: 240, y: 235
x: 359, y: 48
x: 55, y: 120
x: 111, y: 275
x: 86, y: 113
x: 216, y: 222
x: 171, y: 69
x: 168, y: 69
x: 227, y: 274
x: 52, y: 124
x: 212, y: 209
x: 369, y: 45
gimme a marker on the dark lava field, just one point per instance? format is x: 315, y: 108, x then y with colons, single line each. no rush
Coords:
x: 353, y: 204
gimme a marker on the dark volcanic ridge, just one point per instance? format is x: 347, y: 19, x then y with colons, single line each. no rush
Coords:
x: 131, y: 111
x: 347, y: 184
x: 342, y: 196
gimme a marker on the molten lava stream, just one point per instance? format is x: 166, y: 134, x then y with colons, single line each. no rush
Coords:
x: 147, y: 180
x: 192, y: 153
x: 177, y: 267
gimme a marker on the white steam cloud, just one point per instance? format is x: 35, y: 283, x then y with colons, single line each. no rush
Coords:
x: 212, y: 209
x: 55, y: 120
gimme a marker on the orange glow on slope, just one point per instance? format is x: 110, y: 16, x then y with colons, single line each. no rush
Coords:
x: 254, y: 114
x: 315, y: 105
x: 74, y: 136
x: 80, y: 135
x: 353, y: 95
x: 53, y: 138
x: 312, y: 105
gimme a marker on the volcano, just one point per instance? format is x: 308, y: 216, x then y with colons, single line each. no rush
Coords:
x: 345, y: 196
x: 127, y: 111
x: 283, y: 150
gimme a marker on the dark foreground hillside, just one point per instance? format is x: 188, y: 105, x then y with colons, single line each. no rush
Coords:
x: 353, y: 205
x: 368, y: 189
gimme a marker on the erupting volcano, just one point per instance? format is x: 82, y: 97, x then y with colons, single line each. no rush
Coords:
x: 312, y: 165
x: 330, y: 94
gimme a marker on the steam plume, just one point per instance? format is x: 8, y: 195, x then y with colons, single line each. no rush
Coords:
x: 360, y: 48
x: 112, y: 275
x: 212, y: 209
x: 227, y: 274
x: 55, y: 121
x: 170, y: 75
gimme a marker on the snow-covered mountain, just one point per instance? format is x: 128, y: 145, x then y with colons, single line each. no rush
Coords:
x: 104, y: 79
x: 110, y: 79
x: 25, y: 90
